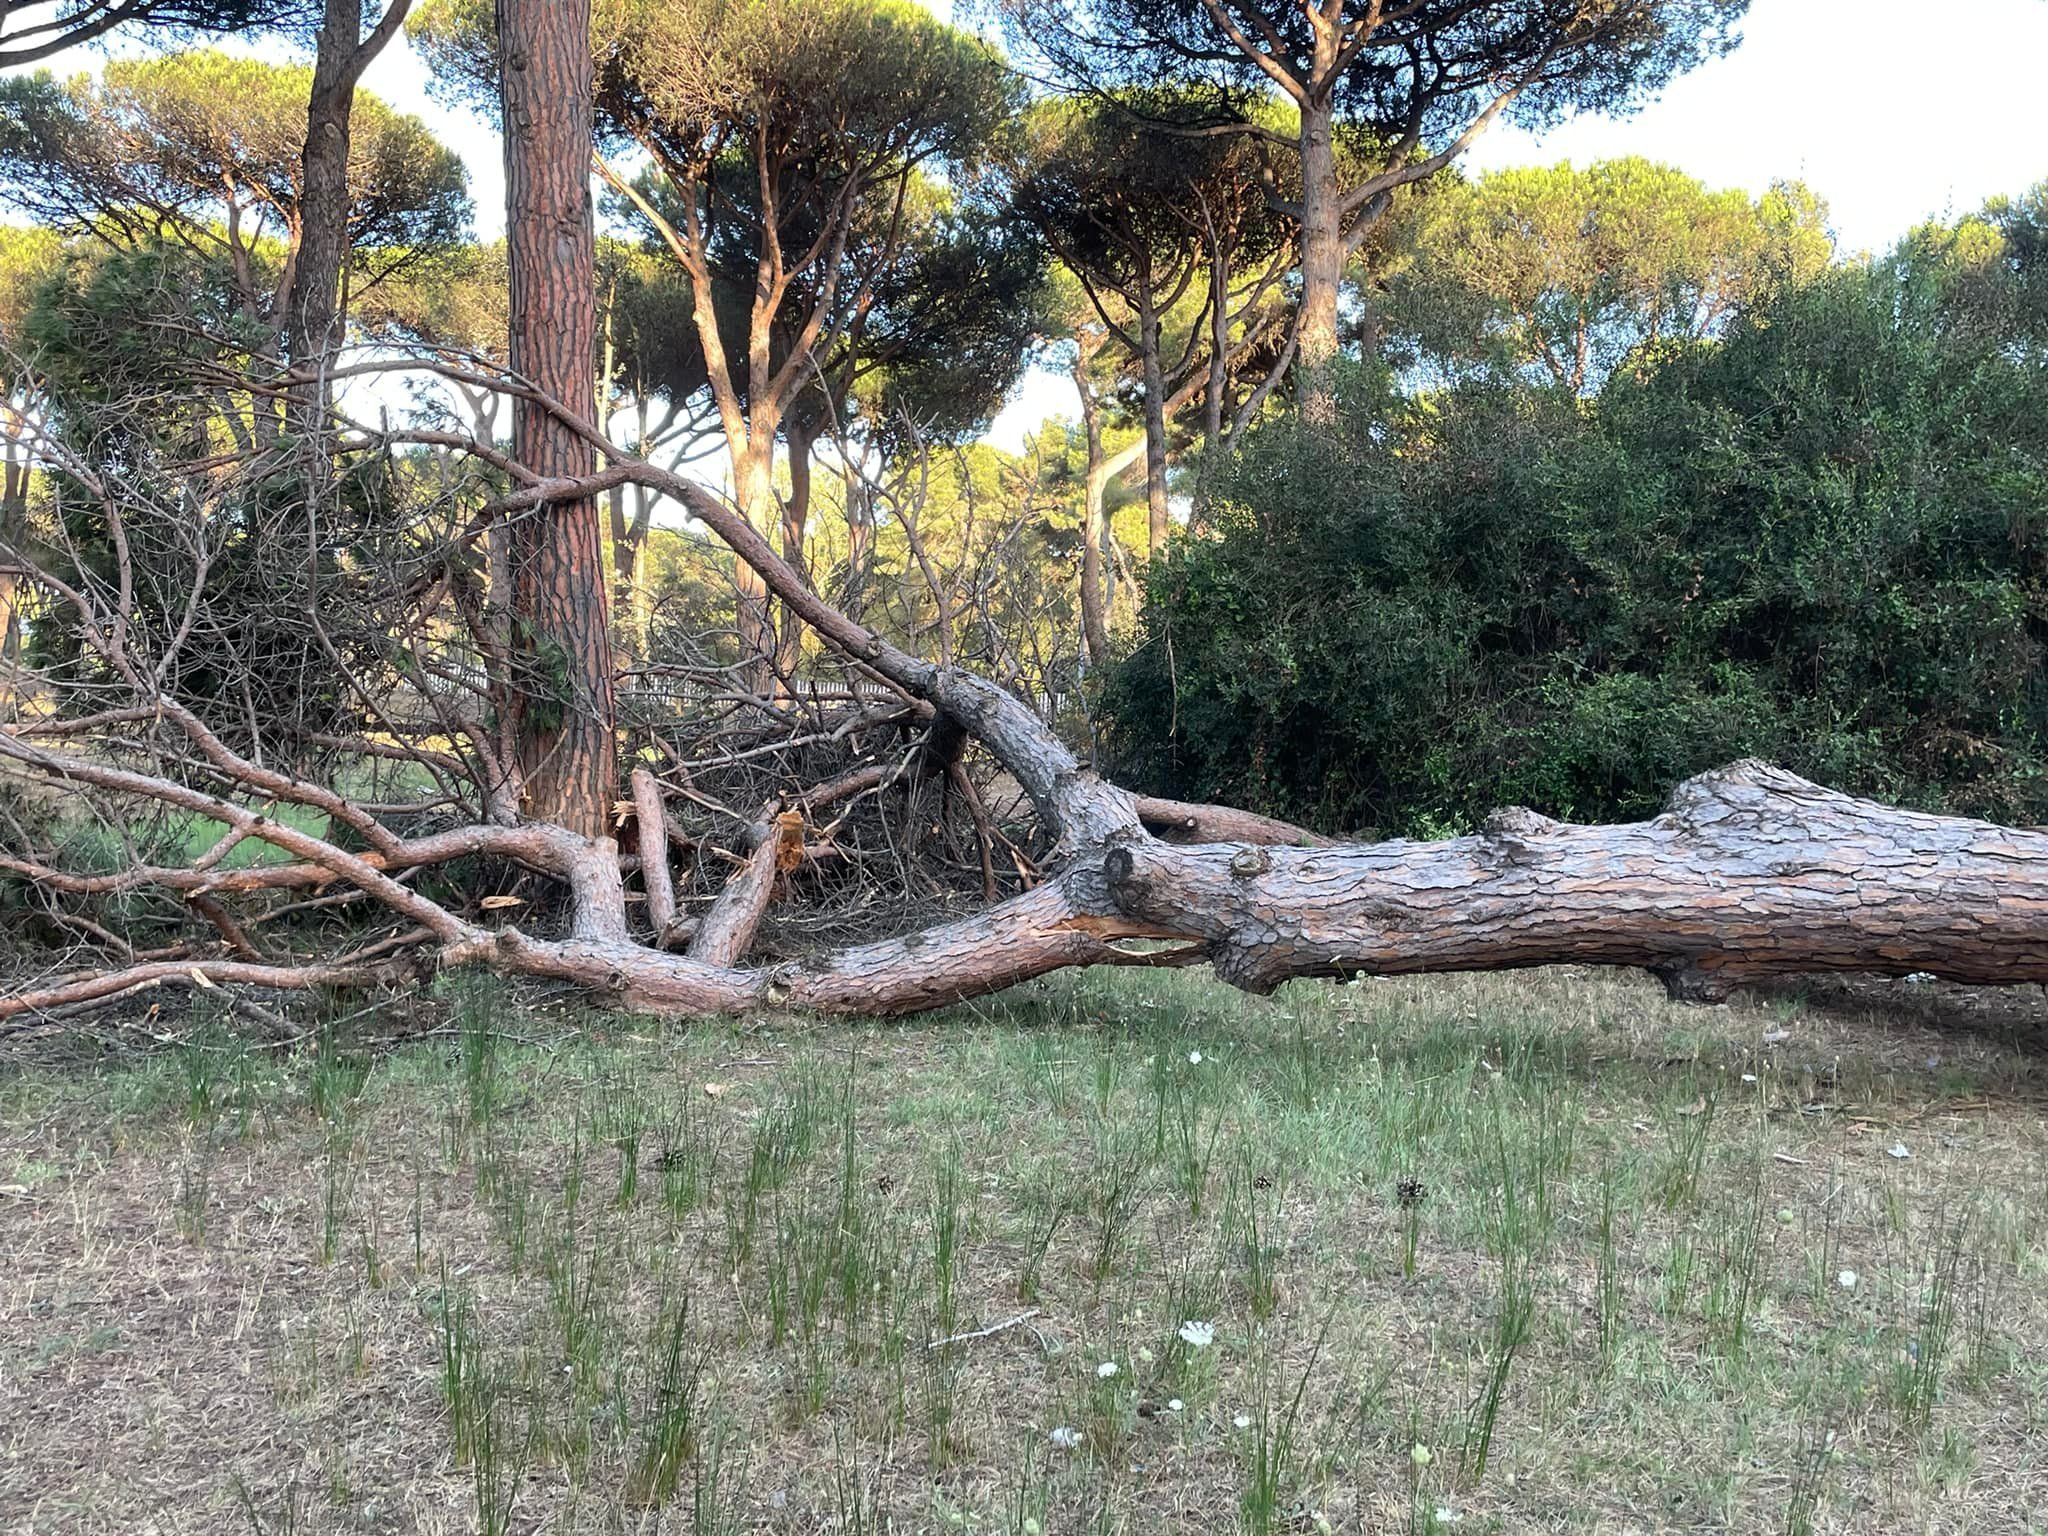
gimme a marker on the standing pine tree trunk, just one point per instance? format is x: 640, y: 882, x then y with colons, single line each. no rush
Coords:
x: 754, y: 617
x: 1216, y: 383
x: 1094, y: 619
x: 1156, y: 521
x: 312, y: 306
x: 800, y: 432
x: 1322, y: 260
x: 566, y: 734
x: 14, y: 535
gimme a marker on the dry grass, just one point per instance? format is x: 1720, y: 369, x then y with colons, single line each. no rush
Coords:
x: 231, y: 1281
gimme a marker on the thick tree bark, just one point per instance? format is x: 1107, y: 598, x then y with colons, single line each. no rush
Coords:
x: 1751, y: 872
x: 566, y: 728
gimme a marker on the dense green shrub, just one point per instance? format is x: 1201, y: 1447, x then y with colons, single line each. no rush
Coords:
x: 1822, y: 539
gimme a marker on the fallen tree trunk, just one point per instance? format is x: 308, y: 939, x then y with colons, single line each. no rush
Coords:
x: 1750, y: 873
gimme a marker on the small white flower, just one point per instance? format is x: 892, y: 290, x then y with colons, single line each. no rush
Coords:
x: 1420, y: 1456
x: 1243, y: 1421
x: 1106, y: 1370
x: 1144, y: 1354
x: 1194, y: 1058
x: 1918, y: 978
x: 1198, y: 1335
x: 1898, y: 1149
x: 1847, y: 1279
x: 1066, y: 1437
x: 1174, y: 1405
x: 1749, y: 1077
x: 1447, y: 1516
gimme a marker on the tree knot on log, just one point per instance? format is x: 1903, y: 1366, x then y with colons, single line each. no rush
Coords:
x: 1250, y: 863
x: 1129, y: 890
x: 1748, y: 786
x: 1509, y: 832
x: 1517, y: 821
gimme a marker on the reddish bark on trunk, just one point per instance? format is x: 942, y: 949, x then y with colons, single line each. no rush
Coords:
x: 566, y: 721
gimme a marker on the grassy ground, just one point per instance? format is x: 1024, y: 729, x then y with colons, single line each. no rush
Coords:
x: 1489, y: 1254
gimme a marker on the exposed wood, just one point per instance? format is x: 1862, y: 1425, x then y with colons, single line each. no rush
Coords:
x: 727, y: 931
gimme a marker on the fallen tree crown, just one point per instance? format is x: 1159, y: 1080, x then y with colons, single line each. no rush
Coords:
x: 1750, y: 872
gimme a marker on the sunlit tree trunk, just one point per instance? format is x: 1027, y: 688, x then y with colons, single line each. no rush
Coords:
x: 1157, y: 525
x: 800, y: 433
x: 1217, y: 384
x: 1094, y: 620
x: 1322, y: 260
x: 13, y: 531
x: 566, y: 735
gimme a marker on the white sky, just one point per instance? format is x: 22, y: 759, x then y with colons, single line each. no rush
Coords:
x: 1893, y: 110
